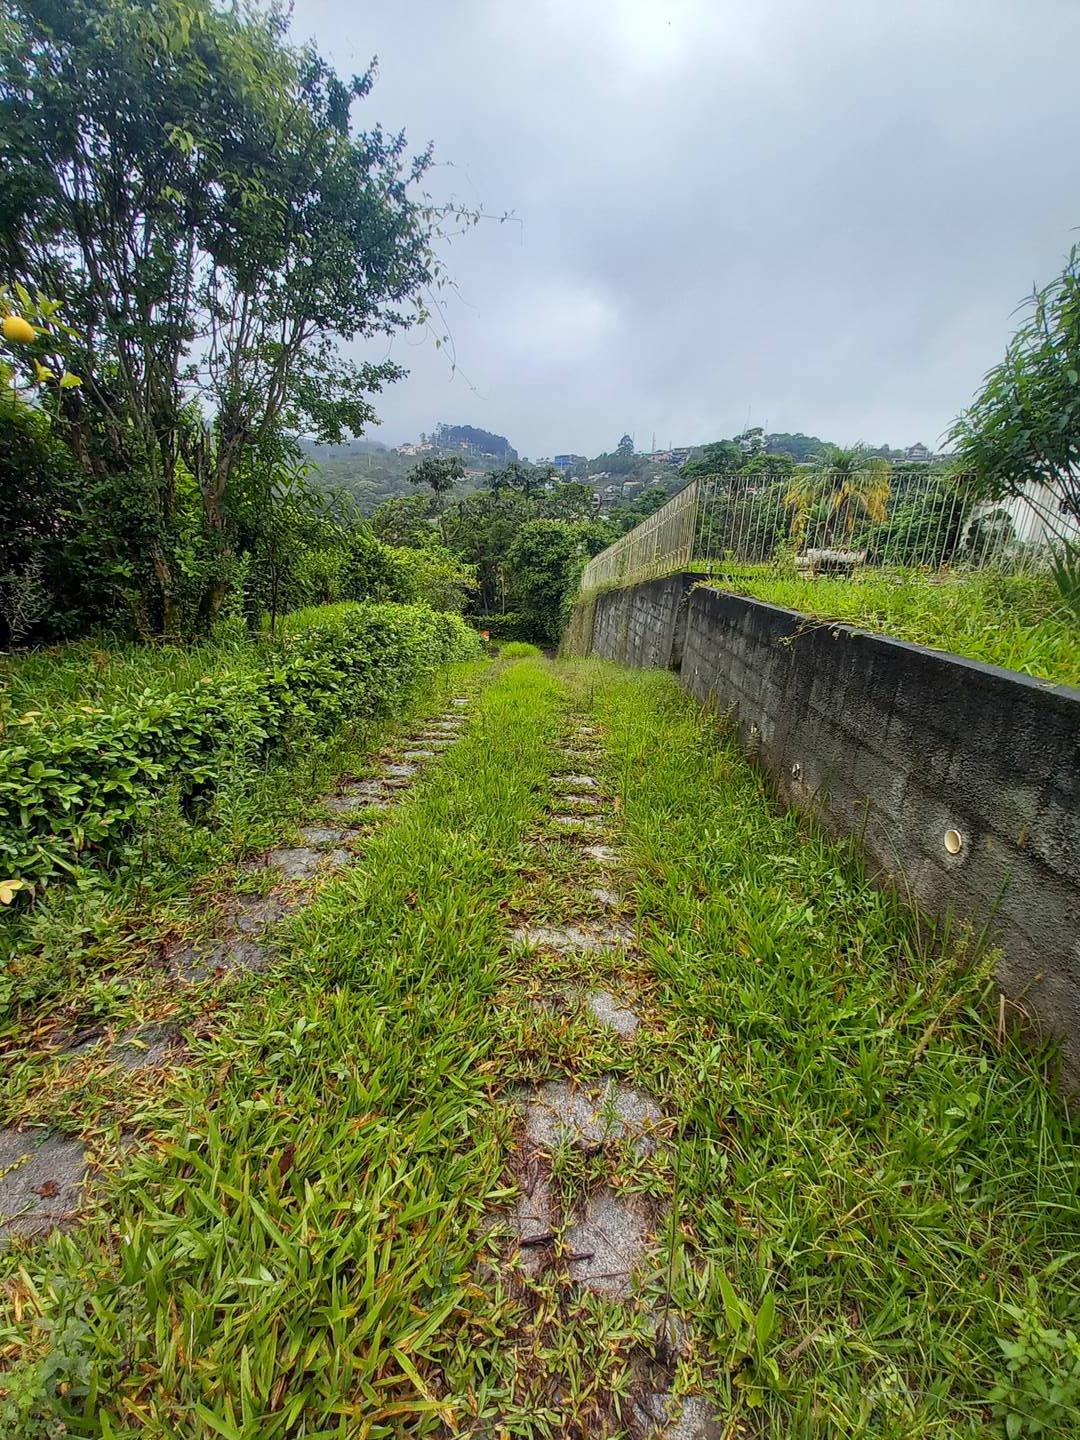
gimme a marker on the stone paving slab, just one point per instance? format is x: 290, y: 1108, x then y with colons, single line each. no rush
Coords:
x: 581, y: 805
x: 608, y: 898
x: 400, y: 770
x: 690, y: 1418
x: 620, y: 1018
x: 582, y: 824
x: 250, y: 914
x: 189, y: 962
x: 569, y: 938
x: 415, y: 756
x: 375, y: 794
x: 296, y: 862
x: 558, y: 1111
x: 41, y: 1182
x: 611, y: 1241
x: 572, y: 783
x: 532, y: 1220
x: 143, y: 1047
x: 322, y: 835
x: 603, y: 854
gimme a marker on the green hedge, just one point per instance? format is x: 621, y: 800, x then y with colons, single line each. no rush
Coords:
x: 508, y: 625
x: 86, y: 782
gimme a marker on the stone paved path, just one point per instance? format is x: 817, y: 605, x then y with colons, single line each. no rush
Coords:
x: 43, y: 1174
x: 606, y: 1241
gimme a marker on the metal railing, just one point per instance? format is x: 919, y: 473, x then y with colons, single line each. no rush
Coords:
x: 835, y: 521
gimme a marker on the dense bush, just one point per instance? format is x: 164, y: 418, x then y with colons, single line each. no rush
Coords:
x: 519, y: 650
x: 85, y: 781
x: 507, y: 626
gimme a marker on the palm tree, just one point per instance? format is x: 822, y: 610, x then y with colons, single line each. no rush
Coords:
x: 846, y: 484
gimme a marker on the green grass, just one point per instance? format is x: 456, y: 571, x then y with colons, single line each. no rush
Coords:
x: 858, y: 1155
x: 291, y: 1254
x: 864, y: 1190
x: 1017, y: 621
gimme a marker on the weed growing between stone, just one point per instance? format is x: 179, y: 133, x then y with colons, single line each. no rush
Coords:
x: 288, y: 1248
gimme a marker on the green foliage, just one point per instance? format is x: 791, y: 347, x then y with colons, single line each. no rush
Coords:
x: 845, y: 486
x: 1040, y: 1392
x: 433, y: 576
x: 438, y: 473
x: 723, y: 457
x: 544, y: 563
x: 341, y: 1106
x: 798, y: 446
x: 507, y: 625
x: 430, y: 576
x: 519, y: 650
x: 193, y: 190
x: 73, y: 547
x: 864, y: 1171
x: 80, y: 786
x: 482, y: 441
x: 1025, y: 423
x: 406, y: 520
x: 1065, y: 568
x: 924, y: 524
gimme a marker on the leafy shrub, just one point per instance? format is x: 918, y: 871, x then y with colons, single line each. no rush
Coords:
x: 518, y: 650
x: 85, y: 781
x: 1040, y: 1393
x: 509, y: 625
x: 433, y: 576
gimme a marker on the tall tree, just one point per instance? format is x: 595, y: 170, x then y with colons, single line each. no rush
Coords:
x: 1025, y: 422
x: 439, y: 474
x: 194, y: 191
x: 722, y: 457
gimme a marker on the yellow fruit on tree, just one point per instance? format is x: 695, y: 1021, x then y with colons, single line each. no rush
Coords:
x: 18, y: 330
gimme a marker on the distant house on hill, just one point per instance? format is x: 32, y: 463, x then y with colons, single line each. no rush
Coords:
x: 566, y: 462
x: 674, y: 457
x: 411, y: 449
x: 919, y: 453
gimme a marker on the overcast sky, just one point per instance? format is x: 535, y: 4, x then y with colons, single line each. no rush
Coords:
x: 811, y: 215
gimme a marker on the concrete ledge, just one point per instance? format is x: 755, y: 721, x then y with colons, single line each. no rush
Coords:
x: 899, y: 745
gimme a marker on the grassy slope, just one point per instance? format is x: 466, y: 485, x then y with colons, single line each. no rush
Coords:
x: 1014, y: 621
x: 292, y: 1252
x: 863, y: 1179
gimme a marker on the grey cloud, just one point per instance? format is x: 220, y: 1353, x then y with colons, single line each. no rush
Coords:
x: 815, y: 216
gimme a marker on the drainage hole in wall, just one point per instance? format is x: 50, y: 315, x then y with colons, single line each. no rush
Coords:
x: 954, y: 842
x: 796, y: 770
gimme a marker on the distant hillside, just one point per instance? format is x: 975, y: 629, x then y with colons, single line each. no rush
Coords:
x: 337, y: 452
x: 371, y: 472
x: 483, y: 442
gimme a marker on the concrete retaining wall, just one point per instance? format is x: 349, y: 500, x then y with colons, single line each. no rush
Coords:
x: 641, y: 625
x: 900, y: 745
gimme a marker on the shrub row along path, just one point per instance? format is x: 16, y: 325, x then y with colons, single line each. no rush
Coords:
x: 42, y: 1176
x: 592, y: 1098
